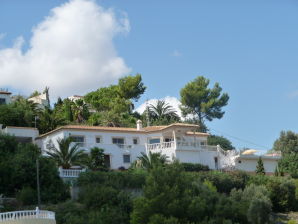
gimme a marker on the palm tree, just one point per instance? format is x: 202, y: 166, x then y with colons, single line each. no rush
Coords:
x: 80, y: 110
x: 29, y: 109
x: 67, y: 154
x: 49, y: 120
x: 162, y: 110
x: 151, y: 160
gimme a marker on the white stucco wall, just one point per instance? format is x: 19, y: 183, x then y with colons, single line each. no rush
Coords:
x: 7, y: 98
x: 116, y: 153
x: 250, y: 165
x: 189, y: 155
x: 198, y: 156
x: 22, y: 132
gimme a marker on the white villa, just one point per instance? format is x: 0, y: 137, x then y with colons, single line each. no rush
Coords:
x: 41, y: 100
x: 124, y: 145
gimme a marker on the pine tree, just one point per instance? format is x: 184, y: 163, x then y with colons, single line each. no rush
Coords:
x: 260, y: 167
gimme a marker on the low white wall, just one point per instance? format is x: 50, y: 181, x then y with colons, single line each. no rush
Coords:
x: 250, y: 165
x: 22, y: 131
x: 202, y: 157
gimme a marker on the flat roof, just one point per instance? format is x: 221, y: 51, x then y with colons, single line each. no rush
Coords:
x: 256, y: 157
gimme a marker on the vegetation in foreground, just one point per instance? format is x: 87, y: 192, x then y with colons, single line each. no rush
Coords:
x: 150, y: 192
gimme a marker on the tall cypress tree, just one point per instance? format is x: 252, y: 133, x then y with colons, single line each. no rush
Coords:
x: 260, y: 167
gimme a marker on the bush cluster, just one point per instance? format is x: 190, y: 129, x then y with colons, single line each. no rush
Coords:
x: 18, y: 174
x: 191, y: 167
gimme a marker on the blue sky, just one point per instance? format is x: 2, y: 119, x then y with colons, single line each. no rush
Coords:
x: 249, y: 47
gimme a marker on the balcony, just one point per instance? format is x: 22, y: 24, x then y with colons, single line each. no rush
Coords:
x: 18, y: 216
x: 70, y: 173
x: 181, y: 145
x: 163, y: 145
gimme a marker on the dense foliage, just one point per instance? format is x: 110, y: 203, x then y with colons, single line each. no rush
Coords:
x: 224, y: 143
x: 168, y: 194
x: 287, y: 144
x: 114, y: 104
x: 18, y: 173
x: 201, y: 102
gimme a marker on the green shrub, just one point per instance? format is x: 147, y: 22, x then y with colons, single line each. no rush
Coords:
x: 69, y: 212
x: 282, y: 194
x: 291, y: 222
x: 27, y: 196
x: 224, y: 182
x: 259, y: 210
x: 251, y: 204
x: 158, y: 219
x: 194, y: 167
x: 116, y: 179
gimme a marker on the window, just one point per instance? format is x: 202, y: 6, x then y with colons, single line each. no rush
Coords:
x: 98, y: 139
x: 107, y: 159
x: 78, y: 139
x: 216, y: 163
x: 135, y: 141
x: 126, y: 158
x: 154, y: 140
x: 168, y: 139
x: 2, y: 101
x: 118, y: 141
x: 203, y: 143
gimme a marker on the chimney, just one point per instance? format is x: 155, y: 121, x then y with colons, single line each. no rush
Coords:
x: 139, y: 125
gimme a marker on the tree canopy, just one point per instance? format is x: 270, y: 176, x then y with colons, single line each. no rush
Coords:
x: 287, y: 144
x: 161, y: 113
x: 201, y: 102
x: 225, y: 143
x: 114, y: 104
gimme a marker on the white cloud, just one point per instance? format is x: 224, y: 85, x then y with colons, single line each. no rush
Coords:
x: 176, y: 53
x: 173, y: 101
x: 71, y: 51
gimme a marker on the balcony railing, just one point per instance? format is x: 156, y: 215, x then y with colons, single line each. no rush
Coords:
x: 181, y: 145
x: 29, y: 214
x: 70, y: 173
x: 163, y: 145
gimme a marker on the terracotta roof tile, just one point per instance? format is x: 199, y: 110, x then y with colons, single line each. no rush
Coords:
x: 120, y: 129
x: 4, y: 92
x: 198, y: 133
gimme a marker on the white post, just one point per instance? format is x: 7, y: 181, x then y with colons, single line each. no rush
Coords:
x: 37, y: 212
x: 174, y: 136
x: 60, y: 169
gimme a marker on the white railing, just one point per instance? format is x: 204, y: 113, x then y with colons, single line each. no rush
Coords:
x: 163, y: 145
x: 196, y: 146
x: 29, y: 214
x: 70, y: 173
x: 183, y: 145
